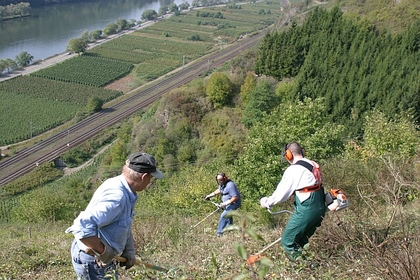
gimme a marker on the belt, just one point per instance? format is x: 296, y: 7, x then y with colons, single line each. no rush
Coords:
x: 310, y: 189
x: 89, y: 252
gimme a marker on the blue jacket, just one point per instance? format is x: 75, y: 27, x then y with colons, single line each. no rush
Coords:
x: 230, y: 190
x: 108, y: 215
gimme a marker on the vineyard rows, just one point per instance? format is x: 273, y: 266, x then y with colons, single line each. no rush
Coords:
x: 23, y: 116
x: 87, y: 70
x: 31, y: 105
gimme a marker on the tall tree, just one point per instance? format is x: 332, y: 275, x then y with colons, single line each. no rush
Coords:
x: 3, y: 66
x: 23, y: 59
x: 85, y: 36
x: 149, y: 15
x: 110, y: 28
x: 96, y: 34
x: 122, y: 24
x: 247, y: 87
x: 262, y: 99
x: 11, y: 65
x: 94, y: 104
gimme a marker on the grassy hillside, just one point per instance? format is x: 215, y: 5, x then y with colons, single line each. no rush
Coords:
x: 199, y: 130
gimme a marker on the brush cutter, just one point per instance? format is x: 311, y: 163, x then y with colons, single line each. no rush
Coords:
x: 218, y: 207
x: 151, y: 266
x: 254, y: 258
x: 138, y: 262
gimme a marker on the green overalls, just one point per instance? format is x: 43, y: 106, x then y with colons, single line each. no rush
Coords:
x: 303, y: 223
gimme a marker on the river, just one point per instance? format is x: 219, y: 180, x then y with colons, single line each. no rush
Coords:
x: 47, y: 31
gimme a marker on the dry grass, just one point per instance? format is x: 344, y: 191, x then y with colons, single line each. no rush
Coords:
x: 346, y: 246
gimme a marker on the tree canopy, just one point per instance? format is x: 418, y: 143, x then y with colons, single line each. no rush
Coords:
x: 23, y: 59
x: 219, y: 89
x: 149, y: 15
x: 77, y: 45
x: 351, y: 65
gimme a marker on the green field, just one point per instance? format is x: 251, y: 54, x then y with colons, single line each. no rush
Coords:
x: 32, y: 105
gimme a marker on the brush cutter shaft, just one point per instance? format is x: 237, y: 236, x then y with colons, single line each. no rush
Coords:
x: 279, y: 212
x: 215, y: 204
x: 148, y: 265
x: 257, y: 257
x: 206, y: 217
x: 265, y: 248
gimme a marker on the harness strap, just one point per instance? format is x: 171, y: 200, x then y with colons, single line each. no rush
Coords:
x: 310, y: 167
x: 310, y: 188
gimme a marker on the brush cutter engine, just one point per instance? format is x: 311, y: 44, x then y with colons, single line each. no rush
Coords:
x: 336, y: 200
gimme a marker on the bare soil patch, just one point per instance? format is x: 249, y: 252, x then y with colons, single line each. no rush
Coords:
x: 124, y: 84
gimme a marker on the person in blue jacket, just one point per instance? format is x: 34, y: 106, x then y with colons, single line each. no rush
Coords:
x: 231, y: 200
x: 103, y: 230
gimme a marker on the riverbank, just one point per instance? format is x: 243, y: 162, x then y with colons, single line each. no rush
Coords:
x: 14, y: 17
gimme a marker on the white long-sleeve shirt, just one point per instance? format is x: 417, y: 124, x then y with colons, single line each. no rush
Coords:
x: 295, y: 177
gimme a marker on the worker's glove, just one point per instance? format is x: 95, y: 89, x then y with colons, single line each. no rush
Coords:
x: 207, y: 197
x: 264, y: 202
x: 129, y: 253
x: 130, y: 259
x: 106, y: 257
x: 224, y: 204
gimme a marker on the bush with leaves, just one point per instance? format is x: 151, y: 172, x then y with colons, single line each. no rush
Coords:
x: 219, y: 89
x: 305, y: 122
x: 262, y: 99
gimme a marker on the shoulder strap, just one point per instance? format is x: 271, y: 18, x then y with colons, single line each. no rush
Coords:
x: 314, y: 169
x: 306, y: 164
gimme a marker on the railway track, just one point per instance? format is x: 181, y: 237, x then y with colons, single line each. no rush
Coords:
x: 51, y: 148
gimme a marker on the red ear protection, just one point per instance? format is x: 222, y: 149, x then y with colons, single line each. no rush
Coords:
x: 287, y: 153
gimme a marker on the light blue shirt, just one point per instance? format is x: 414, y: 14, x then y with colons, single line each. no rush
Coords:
x: 230, y: 190
x: 108, y: 215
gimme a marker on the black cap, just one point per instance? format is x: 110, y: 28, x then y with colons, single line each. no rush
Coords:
x: 144, y: 163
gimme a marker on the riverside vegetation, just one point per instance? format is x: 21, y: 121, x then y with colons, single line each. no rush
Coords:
x: 236, y: 122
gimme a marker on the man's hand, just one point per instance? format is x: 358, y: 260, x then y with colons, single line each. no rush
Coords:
x: 264, y: 202
x: 130, y: 260
x: 207, y: 197
x: 224, y: 204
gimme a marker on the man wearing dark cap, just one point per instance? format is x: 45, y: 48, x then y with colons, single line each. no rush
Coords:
x: 103, y: 230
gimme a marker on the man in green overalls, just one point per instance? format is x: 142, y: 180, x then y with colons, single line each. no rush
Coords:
x: 302, y: 178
